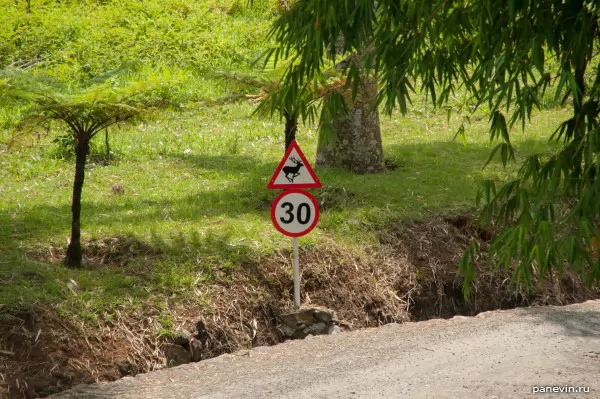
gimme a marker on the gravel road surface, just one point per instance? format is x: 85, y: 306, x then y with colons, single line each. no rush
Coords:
x: 500, y: 354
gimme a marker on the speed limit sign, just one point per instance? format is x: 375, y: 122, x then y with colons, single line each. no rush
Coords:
x: 295, y: 213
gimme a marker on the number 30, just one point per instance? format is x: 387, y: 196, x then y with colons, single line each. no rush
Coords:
x: 303, y: 213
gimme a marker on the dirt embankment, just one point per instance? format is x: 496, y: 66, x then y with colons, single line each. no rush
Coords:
x: 410, y: 275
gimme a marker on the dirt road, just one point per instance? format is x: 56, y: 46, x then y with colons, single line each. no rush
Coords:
x: 502, y: 354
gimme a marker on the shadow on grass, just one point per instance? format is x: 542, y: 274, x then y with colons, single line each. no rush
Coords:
x: 121, y: 268
x: 438, y: 173
x: 227, y: 163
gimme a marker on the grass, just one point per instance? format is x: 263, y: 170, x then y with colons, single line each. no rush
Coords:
x: 82, y: 39
x: 195, y: 208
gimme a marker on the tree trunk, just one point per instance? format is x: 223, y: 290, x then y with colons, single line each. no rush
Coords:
x: 291, y: 126
x: 107, y: 144
x: 357, y: 145
x: 74, y: 256
x: 579, y: 128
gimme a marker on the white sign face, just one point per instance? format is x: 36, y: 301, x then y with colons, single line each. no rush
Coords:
x: 295, y: 213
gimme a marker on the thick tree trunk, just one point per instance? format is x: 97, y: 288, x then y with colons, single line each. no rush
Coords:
x: 74, y: 255
x: 357, y: 145
x: 291, y: 126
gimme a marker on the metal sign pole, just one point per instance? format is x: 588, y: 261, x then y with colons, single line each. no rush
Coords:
x: 296, y: 275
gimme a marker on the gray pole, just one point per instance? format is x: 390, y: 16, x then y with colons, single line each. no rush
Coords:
x: 296, y: 275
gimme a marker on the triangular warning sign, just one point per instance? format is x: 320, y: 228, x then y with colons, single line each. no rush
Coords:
x: 294, y: 171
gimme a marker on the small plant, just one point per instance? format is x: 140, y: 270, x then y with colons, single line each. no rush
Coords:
x: 86, y: 112
x: 167, y: 326
x: 101, y: 153
x: 64, y: 146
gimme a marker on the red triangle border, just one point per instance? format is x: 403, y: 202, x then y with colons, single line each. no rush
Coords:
x: 309, y: 169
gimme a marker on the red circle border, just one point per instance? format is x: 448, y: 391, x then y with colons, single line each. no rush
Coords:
x: 295, y: 191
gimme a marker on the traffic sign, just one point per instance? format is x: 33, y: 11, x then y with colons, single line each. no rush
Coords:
x: 295, y: 213
x: 294, y: 171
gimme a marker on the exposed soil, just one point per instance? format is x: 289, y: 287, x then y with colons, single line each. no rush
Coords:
x: 103, y: 253
x: 411, y: 275
x: 435, y: 288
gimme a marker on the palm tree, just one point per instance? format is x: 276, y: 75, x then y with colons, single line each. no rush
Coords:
x: 86, y: 111
x: 303, y: 103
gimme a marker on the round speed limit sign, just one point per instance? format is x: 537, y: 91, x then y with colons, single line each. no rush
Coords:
x: 295, y: 213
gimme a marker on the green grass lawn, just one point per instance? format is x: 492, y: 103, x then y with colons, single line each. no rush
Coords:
x: 195, y: 207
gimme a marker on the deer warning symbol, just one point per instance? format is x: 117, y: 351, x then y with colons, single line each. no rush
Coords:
x: 294, y: 171
x: 291, y: 172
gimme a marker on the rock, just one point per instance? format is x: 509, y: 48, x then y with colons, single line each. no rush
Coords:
x: 182, y: 338
x: 324, y: 315
x: 316, y: 329
x: 200, y: 327
x: 126, y: 368
x: 117, y: 189
x: 176, y: 355
x: 302, y: 316
x: 196, y: 349
x: 200, y: 332
x: 301, y: 323
x: 285, y: 330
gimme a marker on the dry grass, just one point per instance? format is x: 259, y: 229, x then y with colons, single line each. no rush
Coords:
x: 435, y: 288
x: 410, y: 275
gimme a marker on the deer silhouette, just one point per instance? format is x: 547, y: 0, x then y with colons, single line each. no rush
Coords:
x: 292, y: 170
